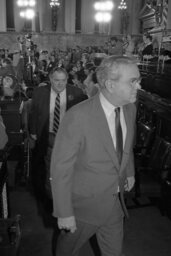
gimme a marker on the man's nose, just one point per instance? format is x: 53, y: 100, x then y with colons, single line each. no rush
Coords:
x: 137, y: 86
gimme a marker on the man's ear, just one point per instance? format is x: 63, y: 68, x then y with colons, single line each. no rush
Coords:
x: 109, y: 85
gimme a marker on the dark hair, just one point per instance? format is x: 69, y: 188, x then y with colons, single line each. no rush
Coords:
x: 59, y: 70
x: 94, y: 78
x: 89, y: 66
x: 7, y: 61
x: 114, y: 38
x: 14, y: 84
x: 148, y: 36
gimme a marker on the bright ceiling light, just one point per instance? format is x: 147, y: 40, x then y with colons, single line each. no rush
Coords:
x: 103, y: 17
x: 97, y: 6
x: 99, y: 16
x: 32, y: 3
x: 104, y: 6
x: 29, y: 14
x: 109, y: 5
x: 107, y: 17
x: 122, y: 5
x: 20, y: 2
x: 25, y: 3
x: 22, y: 14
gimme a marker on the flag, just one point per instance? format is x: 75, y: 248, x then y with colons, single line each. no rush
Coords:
x: 165, y: 12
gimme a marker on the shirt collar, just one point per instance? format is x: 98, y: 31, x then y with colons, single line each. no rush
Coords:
x: 107, y: 106
x: 55, y: 93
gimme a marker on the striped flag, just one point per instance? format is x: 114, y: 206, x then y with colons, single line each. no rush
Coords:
x: 165, y: 12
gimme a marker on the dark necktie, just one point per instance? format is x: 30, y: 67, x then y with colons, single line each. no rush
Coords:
x: 119, y: 150
x: 56, y: 119
x: 119, y: 138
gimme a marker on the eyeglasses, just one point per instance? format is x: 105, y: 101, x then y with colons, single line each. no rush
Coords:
x: 132, y: 82
x: 135, y: 81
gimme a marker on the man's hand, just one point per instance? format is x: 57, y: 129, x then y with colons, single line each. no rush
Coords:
x: 129, y: 183
x: 68, y: 223
x: 32, y: 141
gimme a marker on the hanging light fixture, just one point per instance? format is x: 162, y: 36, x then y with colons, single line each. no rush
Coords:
x: 103, y: 11
x: 54, y: 3
x: 27, y: 8
x: 122, y: 5
x: 26, y: 3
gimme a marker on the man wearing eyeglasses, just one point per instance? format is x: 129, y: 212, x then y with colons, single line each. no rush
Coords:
x: 92, y: 161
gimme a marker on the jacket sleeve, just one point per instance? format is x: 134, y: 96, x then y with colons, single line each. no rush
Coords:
x: 32, y: 120
x: 64, y: 156
x: 3, y: 135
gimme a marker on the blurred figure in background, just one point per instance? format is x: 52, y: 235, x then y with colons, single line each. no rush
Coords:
x: 3, y: 135
x: 128, y: 45
x: 115, y: 46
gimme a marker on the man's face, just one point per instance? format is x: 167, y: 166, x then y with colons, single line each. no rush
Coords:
x: 125, y: 89
x: 113, y: 42
x: 58, y: 81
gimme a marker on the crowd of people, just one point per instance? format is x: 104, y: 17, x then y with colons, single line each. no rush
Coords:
x: 33, y: 66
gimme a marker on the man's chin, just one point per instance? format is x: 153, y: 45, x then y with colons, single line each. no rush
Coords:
x: 133, y: 99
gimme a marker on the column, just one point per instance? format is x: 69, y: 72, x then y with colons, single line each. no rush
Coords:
x: 10, y: 15
x: 61, y: 17
x: 116, y: 20
x: 134, y: 7
x: 37, y: 21
x: 3, y: 16
x: 46, y: 16
x: 19, y: 21
x: 70, y: 16
x: 87, y: 16
x: 169, y: 16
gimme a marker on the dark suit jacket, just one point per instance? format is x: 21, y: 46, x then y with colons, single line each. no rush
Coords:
x: 148, y: 50
x: 85, y: 169
x: 39, y: 116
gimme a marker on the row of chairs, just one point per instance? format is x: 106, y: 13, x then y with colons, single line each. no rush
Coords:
x: 153, y: 156
x: 156, y: 83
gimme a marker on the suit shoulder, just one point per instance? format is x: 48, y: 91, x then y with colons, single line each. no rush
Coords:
x: 75, y: 89
x: 42, y: 89
x: 83, y: 106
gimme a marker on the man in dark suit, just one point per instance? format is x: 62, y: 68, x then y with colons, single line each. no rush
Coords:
x: 42, y: 119
x: 88, y: 170
x: 3, y: 134
x: 148, y: 46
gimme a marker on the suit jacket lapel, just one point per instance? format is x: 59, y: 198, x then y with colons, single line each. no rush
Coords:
x: 103, y: 130
x: 70, y: 96
x: 128, y: 121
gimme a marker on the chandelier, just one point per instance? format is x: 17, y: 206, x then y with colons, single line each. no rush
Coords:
x: 122, y: 5
x: 27, y: 8
x: 103, y: 11
x: 54, y: 3
x: 26, y: 3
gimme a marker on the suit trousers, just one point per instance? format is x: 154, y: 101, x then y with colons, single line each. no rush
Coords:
x: 109, y: 237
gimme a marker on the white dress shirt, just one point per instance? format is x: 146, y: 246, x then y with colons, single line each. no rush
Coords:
x: 109, y: 111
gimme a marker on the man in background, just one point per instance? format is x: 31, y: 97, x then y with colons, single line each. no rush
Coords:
x: 44, y: 122
x: 115, y: 46
x: 3, y: 135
